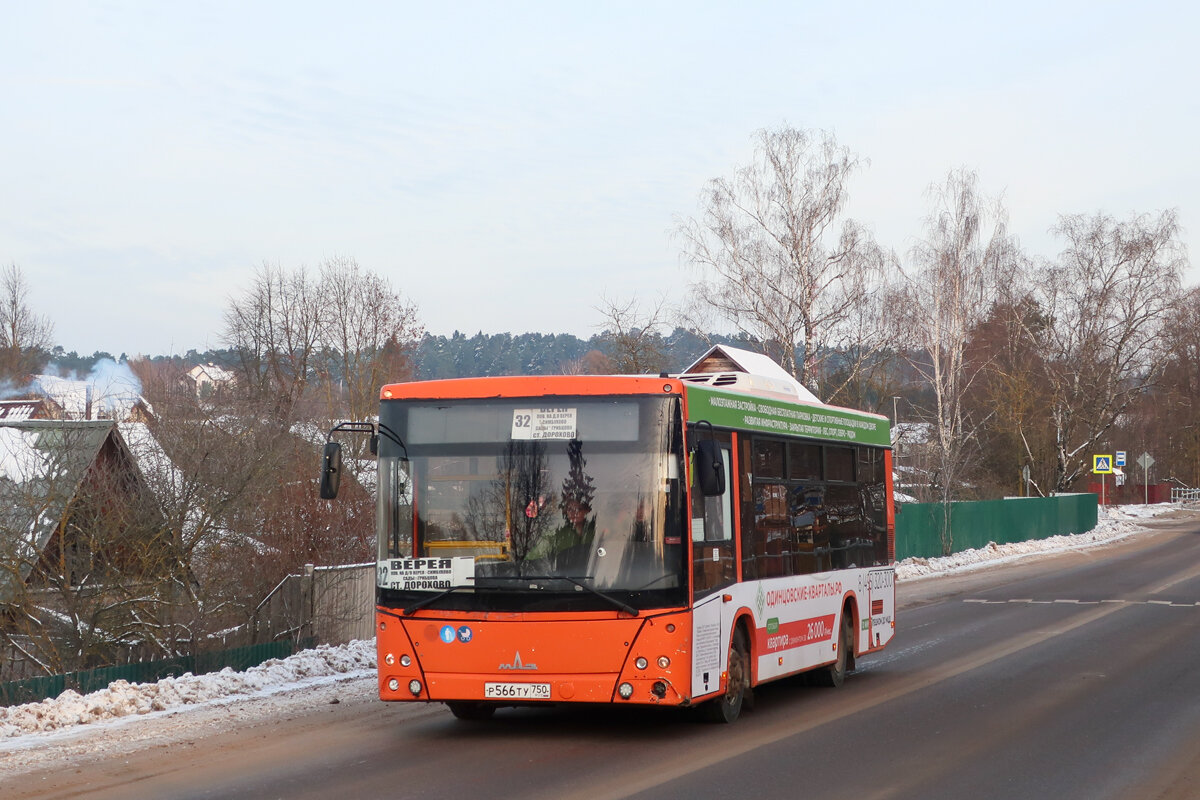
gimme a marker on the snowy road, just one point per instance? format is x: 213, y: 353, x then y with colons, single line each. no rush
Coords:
x: 1000, y: 678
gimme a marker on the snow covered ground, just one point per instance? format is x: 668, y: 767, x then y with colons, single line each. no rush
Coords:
x: 1114, y: 522
x: 67, y: 723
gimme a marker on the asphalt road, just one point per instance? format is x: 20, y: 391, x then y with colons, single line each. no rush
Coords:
x: 1072, y: 677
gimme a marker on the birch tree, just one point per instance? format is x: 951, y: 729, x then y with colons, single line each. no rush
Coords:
x: 943, y: 297
x: 770, y: 255
x: 1108, y: 296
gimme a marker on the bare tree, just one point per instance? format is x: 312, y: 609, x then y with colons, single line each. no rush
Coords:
x: 1178, y: 397
x: 952, y: 285
x: 274, y: 330
x: 25, y: 337
x: 1108, y: 296
x: 240, y: 503
x: 768, y: 254
x: 632, y: 337
x: 1011, y: 394
x: 368, y: 331
x: 593, y: 362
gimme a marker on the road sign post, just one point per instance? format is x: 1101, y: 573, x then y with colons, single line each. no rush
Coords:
x: 1146, y: 461
x: 1102, y: 465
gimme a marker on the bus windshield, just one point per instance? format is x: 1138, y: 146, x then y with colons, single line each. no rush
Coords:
x: 548, y: 496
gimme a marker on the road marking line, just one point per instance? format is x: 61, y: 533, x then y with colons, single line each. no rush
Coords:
x: 1071, y: 602
x: 624, y: 784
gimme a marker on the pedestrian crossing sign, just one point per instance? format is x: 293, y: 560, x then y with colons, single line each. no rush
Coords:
x: 1102, y: 465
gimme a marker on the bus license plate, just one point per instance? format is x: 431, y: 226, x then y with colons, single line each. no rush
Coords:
x: 517, y: 691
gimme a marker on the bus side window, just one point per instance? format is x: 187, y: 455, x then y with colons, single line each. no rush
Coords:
x: 750, y: 562
x: 718, y: 510
x: 712, y: 532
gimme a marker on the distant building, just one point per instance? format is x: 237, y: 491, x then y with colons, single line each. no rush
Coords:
x: 30, y: 408
x: 118, y: 399
x: 209, y: 378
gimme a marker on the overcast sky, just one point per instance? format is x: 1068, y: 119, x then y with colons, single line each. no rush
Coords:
x: 506, y: 164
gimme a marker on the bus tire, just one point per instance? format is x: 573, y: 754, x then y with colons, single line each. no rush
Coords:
x: 728, y: 707
x: 835, y: 673
x: 470, y: 710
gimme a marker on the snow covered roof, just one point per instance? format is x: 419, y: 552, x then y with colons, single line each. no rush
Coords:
x: 42, y: 464
x: 92, y: 399
x: 210, y: 373
x: 724, y: 365
x: 37, y: 408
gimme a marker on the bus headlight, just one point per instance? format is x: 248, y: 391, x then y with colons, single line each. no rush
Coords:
x: 663, y: 662
x: 405, y: 661
x: 625, y: 690
x: 414, y: 686
x: 394, y: 685
x: 389, y: 659
x: 641, y: 663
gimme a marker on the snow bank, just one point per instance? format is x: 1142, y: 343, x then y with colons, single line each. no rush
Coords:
x: 124, y: 699
x: 1114, y: 522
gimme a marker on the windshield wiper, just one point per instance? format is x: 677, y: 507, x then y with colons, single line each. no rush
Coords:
x: 415, y: 607
x: 628, y: 609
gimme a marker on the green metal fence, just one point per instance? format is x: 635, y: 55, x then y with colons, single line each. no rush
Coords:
x: 975, y: 524
x: 32, y: 690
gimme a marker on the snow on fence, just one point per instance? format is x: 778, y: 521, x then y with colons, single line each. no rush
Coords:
x: 1185, y: 495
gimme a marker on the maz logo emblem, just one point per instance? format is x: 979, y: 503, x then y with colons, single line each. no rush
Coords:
x: 516, y: 664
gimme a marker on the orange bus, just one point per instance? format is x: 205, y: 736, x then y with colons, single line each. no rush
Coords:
x: 669, y: 541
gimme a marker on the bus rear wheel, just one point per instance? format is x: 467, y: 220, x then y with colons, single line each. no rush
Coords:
x: 728, y: 707
x: 470, y: 710
x: 835, y: 673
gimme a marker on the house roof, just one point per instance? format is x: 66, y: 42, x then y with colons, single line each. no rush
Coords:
x: 42, y: 466
x: 211, y: 372
x: 723, y: 358
x: 27, y: 408
x: 88, y: 399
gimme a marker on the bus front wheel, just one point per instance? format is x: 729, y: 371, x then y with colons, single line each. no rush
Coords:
x: 728, y: 706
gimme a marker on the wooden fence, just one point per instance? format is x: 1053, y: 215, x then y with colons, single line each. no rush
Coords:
x: 324, y: 605
x: 333, y: 605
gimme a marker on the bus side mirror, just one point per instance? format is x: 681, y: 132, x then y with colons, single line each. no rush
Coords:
x: 331, y: 470
x: 710, y: 468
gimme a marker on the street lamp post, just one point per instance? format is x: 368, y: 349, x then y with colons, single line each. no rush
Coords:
x: 895, y: 435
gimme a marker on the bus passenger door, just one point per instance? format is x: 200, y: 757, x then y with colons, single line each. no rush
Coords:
x: 713, y: 564
x: 713, y: 568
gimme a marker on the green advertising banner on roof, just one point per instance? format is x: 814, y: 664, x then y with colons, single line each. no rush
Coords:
x: 742, y: 411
